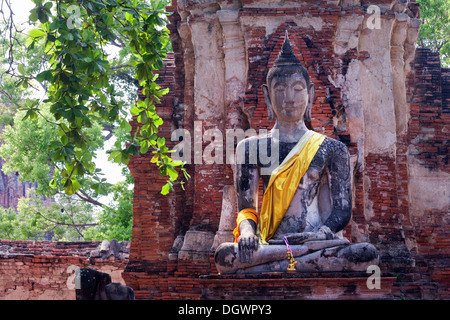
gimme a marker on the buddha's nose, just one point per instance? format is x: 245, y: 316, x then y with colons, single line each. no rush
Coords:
x: 289, y: 97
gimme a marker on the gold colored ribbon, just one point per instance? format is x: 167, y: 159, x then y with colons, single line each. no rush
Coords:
x: 284, y: 183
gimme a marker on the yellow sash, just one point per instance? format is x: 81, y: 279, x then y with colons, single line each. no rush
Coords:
x: 282, y: 186
x: 284, y: 182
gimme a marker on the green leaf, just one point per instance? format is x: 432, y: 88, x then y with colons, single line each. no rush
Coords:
x: 165, y: 189
x: 173, y: 174
x: 71, y: 186
x: 21, y: 69
x: 126, y: 125
x: 69, y: 36
x: 135, y: 111
x: 177, y: 163
x: 68, y: 187
x: 144, y: 146
x: 161, y: 142
x: 53, y: 184
x: 64, y: 140
x: 37, y: 33
x: 125, y: 158
x: 158, y: 121
x: 33, y: 15
x: 44, y: 76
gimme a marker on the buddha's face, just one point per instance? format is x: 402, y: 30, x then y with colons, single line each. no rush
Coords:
x: 289, y: 96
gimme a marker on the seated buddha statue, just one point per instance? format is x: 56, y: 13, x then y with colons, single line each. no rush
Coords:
x: 307, y: 199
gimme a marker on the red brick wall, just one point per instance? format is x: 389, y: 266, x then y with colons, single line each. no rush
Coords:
x: 428, y: 137
x: 430, y: 111
x: 32, y: 270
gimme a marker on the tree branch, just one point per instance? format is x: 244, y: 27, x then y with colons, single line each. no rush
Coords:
x: 85, y: 197
x: 66, y: 224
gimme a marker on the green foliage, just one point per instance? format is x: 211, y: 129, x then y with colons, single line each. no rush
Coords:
x: 64, y: 219
x: 116, y: 220
x: 67, y: 55
x: 435, y: 29
x: 29, y: 148
x: 79, y: 80
x: 25, y: 149
x: 9, y: 223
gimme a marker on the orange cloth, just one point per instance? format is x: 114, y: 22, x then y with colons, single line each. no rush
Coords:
x: 245, y: 214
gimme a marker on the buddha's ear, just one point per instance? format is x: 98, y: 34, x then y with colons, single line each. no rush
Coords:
x: 311, y: 91
x: 265, y: 90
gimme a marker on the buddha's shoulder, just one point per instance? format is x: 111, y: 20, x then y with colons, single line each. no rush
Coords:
x: 331, y: 146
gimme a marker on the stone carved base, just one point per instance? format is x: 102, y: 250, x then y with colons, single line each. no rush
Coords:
x: 196, y: 246
x: 285, y: 286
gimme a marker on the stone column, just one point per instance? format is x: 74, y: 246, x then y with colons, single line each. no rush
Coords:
x: 378, y: 115
x: 209, y: 114
x: 376, y: 82
x: 398, y: 67
x: 346, y: 77
x: 185, y: 120
x: 399, y: 54
x: 411, y: 42
x: 383, y: 98
x: 236, y: 121
x: 347, y: 38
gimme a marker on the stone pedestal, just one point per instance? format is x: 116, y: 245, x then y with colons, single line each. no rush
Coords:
x: 285, y: 286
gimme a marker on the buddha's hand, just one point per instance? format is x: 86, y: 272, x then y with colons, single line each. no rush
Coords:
x: 294, y: 238
x: 324, y: 233
x: 247, y: 244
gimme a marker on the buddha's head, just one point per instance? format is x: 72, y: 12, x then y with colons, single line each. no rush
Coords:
x: 288, y: 92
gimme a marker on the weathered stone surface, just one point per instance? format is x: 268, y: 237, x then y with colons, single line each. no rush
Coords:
x: 117, y: 291
x: 90, y: 284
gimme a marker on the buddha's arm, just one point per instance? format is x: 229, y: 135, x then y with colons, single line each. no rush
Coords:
x: 247, y: 181
x: 340, y: 187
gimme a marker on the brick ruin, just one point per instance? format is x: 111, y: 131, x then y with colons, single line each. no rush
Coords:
x: 45, y: 270
x: 385, y: 99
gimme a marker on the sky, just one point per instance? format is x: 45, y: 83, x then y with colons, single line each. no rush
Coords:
x: 112, y: 171
x: 21, y: 9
